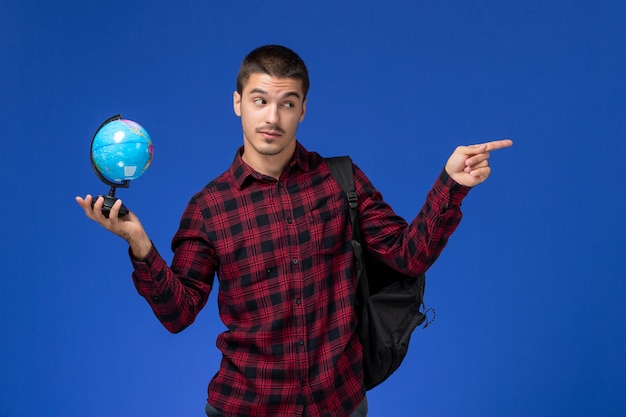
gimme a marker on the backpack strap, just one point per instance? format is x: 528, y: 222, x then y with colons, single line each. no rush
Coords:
x: 342, y: 170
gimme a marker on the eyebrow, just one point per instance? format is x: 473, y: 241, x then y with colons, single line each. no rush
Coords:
x: 287, y: 94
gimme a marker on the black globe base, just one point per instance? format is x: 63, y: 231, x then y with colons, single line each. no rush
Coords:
x: 108, y: 204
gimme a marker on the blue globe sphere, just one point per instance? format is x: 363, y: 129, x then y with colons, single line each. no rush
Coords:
x: 121, y: 150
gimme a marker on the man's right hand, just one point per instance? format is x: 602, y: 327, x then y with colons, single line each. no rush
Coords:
x: 127, y: 227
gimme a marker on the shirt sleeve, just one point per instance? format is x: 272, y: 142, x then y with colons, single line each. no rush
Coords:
x: 176, y: 294
x: 413, y: 247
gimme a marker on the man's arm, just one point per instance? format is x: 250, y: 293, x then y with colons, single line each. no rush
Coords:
x: 412, y: 248
x: 127, y: 227
x: 176, y: 297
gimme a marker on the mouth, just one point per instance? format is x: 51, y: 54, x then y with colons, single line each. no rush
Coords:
x: 272, y: 132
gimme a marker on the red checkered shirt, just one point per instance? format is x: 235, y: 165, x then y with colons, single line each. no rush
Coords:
x: 282, y: 254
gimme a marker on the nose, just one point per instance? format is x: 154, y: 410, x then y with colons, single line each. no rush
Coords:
x: 272, y: 114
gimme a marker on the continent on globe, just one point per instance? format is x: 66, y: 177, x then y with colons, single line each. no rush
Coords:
x: 122, y: 150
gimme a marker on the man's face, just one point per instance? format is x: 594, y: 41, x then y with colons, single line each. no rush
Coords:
x: 270, y: 109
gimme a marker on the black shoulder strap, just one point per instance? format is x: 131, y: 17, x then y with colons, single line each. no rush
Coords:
x: 342, y: 170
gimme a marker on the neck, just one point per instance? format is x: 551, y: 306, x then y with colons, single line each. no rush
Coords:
x: 269, y: 165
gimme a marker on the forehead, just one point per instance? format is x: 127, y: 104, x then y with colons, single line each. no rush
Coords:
x: 259, y: 82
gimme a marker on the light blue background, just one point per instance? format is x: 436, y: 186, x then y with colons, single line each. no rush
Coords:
x: 529, y: 293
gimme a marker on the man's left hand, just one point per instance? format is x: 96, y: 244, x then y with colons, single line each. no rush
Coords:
x: 469, y: 165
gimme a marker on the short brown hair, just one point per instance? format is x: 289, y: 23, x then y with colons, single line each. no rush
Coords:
x: 276, y: 61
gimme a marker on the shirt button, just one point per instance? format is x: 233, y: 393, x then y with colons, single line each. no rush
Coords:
x: 295, y: 261
x: 301, y: 343
x: 298, y: 301
x: 289, y: 220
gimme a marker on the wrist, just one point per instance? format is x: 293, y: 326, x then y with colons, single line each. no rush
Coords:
x: 140, y: 246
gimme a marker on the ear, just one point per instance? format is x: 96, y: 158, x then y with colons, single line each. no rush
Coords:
x: 237, y: 103
x: 303, y: 110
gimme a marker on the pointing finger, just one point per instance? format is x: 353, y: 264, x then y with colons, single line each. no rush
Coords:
x: 498, y: 144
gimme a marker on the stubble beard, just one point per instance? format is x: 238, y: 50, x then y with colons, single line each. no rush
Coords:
x: 268, y: 147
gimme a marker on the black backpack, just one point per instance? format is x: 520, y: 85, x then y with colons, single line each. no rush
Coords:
x: 388, y: 302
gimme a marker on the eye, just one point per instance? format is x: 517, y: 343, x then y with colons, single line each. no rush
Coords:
x: 289, y: 105
x: 259, y: 101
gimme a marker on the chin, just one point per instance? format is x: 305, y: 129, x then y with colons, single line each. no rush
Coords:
x: 269, y: 149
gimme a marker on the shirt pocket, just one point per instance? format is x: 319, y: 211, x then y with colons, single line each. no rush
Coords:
x: 327, y: 222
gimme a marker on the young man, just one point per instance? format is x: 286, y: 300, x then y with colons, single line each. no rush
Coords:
x: 276, y: 231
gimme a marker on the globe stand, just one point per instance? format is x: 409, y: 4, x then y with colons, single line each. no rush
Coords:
x: 110, y: 199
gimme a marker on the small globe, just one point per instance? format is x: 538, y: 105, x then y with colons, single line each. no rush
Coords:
x: 121, y: 150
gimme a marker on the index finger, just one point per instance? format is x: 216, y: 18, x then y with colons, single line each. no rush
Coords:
x: 498, y: 144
